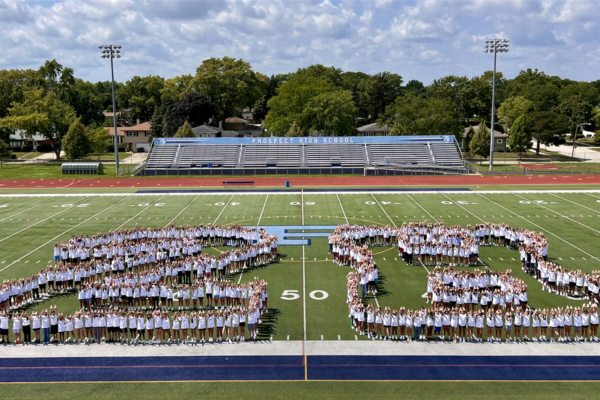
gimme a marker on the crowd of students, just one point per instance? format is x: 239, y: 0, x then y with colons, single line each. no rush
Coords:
x: 464, y: 302
x: 140, y: 273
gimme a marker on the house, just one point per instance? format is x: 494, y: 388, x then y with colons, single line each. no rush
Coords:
x: 18, y: 139
x: 500, y: 139
x: 207, y: 131
x: 136, y: 137
x: 373, y: 130
x: 235, y: 123
x: 123, y: 117
x: 120, y: 133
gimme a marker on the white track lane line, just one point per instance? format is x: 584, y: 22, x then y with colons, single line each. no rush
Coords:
x: 556, y: 212
x: 391, y: 220
x: 342, y: 207
x: 532, y: 223
x: 59, y: 235
x: 218, y: 216
x: 180, y: 212
x: 410, y: 197
x: 262, y: 211
x: 45, y: 219
x: 147, y: 207
x: 21, y: 212
x: 580, y: 205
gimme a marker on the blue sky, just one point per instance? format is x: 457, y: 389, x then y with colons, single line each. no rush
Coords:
x: 422, y: 39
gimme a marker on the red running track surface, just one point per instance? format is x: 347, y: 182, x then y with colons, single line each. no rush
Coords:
x: 298, y: 182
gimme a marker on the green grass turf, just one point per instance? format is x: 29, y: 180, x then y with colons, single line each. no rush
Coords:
x: 571, y: 221
x: 311, y: 390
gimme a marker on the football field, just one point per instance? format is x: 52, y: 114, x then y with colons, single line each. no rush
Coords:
x: 307, y: 291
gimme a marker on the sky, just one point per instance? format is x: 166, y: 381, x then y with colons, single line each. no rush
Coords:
x: 419, y: 39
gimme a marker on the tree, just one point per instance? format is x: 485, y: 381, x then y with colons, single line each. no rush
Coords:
x: 4, y: 150
x: 576, y: 108
x: 469, y: 97
x: 231, y: 84
x: 174, y: 89
x: 480, y: 144
x: 512, y: 108
x: 414, y: 86
x: 549, y: 128
x: 77, y: 143
x: 520, y: 137
x: 294, y: 130
x: 292, y: 97
x: 331, y: 75
x: 41, y: 113
x: 195, y: 108
x: 597, y: 137
x: 417, y: 115
x: 261, y: 108
x: 467, y: 140
x: 538, y: 87
x: 381, y: 90
x: 330, y: 113
x: 100, y: 139
x: 356, y: 83
x: 168, y: 123
x: 156, y: 125
x: 142, y: 95
x: 185, y: 131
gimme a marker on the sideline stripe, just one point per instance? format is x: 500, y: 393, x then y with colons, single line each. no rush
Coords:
x: 546, y: 230
x: 59, y: 235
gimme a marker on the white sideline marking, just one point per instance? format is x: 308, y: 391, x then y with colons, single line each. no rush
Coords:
x: 59, y: 235
x: 288, y: 337
x: 321, y: 337
x: 339, y: 337
x: 556, y: 236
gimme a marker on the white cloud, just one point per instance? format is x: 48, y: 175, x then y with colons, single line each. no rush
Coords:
x: 419, y: 39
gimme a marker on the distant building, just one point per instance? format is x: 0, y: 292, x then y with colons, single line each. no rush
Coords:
x: 18, y: 139
x: 500, y: 139
x: 373, y: 130
x: 136, y: 137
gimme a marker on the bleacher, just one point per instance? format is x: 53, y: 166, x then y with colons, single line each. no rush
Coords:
x: 335, y: 155
x: 309, y: 155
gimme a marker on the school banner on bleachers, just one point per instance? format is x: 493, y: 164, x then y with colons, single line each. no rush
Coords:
x: 308, y: 140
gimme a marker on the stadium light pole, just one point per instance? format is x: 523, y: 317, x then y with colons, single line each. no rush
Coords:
x: 575, y: 136
x: 494, y: 46
x: 113, y: 51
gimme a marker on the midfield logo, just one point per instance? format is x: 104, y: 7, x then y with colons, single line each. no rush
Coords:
x: 297, y: 235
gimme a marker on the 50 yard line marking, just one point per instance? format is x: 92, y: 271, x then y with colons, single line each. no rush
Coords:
x: 346, y: 218
x: 556, y: 236
x: 303, y: 295
x: 59, y: 235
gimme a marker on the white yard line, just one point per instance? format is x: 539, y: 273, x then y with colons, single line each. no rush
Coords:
x: 59, y: 235
x: 346, y: 218
x: 556, y: 212
x: 393, y: 223
x: 180, y: 212
x: 262, y: 211
x: 147, y: 207
x: 580, y: 205
x: 21, y: 212
x: 218, y: 216
x: 303, y: 283
x: 410, y: 197
x: 45, y: 219
x: 460, y: 205
x: 532, y: 223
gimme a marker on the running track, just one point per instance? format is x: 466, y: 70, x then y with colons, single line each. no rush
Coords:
x: 362, y: 181
x: 290, y: 368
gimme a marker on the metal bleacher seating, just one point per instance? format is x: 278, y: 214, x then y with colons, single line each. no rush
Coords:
x: 267, y: 155
x: 399, y: 153
x: 446, y: 154
x: 162, y: 156
x: 336, y: 155
x: 216, y: 155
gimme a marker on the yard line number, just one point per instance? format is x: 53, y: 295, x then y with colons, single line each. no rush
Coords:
x: 293, y: 295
